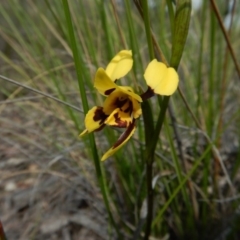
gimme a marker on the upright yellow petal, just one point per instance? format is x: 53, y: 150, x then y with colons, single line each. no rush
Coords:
x: 103, y: 83
x: 161, y: 79
x: 121, y: 141
x: 120, y: 65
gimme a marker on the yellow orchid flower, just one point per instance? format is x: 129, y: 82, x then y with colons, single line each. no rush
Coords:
x: 121, y: 107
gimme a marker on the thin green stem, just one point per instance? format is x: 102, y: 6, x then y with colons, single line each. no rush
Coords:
x: 149, y: 131
x: 148, y: 28
x: 148, y: 141
x: 79, y: 69
x: 211, y: 73
x: 118, y: 24
x: 171, y: 14
x: 77, y: 59
x: 106, y: 29
x: 200, y: 60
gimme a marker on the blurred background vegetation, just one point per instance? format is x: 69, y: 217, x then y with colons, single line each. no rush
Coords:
x: 48, y: 183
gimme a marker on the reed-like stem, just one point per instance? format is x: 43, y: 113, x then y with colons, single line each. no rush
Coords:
x: 79, y: 65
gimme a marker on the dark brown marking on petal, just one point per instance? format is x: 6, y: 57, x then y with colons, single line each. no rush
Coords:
x: 109, y: 91
x: 99, y: 115
x: 115, y: 80
x: 123, y: 137
x: 120, y: 103
x: 148, y: 94
x: 119, y: 122
x: 130, y: 108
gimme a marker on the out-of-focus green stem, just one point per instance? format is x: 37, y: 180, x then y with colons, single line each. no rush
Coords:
x: 79, y: 65
x: 148, y: 120
x: 180, y: 27
x: 106, y: 29
x: 148, y: 28
x: 216, y: 12
x: 171, y: 14
x: 193, y: 169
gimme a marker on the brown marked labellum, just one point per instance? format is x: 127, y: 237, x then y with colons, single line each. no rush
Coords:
x: 119, y: 122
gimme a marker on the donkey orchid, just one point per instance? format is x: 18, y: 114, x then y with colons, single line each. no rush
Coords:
x: 122, y: 106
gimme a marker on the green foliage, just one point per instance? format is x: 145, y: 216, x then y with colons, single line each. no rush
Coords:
x: 56, y: 47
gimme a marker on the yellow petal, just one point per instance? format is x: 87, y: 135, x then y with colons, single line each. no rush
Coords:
x: 121, y: 141
x: 105, y: 86
x: 120, y: 65
x: 137, y: 110
x: 103, y: 83
x: 160, y: 78
x: 126, y: 103
x: 119, y: 118
x: 94, y: 120
x: 129, y: 91
x: 115, y: 100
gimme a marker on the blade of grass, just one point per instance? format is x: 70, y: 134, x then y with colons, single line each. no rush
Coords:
x: 41, y: 93
x: 181, y: 185
x: 216, y: 12
x: 79, y: 70
x: 149, y: 130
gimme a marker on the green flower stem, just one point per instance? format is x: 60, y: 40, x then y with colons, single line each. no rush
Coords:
x: 148, y: 124
x: 180, y: 30
x: 151, y: 139
x: 149, y: 131
x: 79, y: 69
x: 138, y: 65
